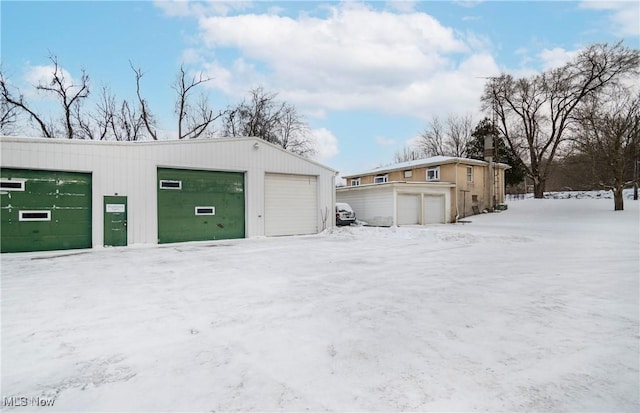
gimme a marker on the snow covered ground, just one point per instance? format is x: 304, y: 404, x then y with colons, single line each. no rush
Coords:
x: 532, y: 309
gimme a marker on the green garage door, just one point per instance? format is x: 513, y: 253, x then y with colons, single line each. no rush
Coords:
x: 44, y: 210
x: 200, y: 205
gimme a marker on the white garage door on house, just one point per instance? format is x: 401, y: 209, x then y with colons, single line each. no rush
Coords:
x: 291, y: 204
x: 408, y: 209
x: 434, y: 209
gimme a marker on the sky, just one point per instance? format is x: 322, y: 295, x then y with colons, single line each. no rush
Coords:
x: 367, y: 77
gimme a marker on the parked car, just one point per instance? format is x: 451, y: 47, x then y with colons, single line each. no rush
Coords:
x: 344, y: 214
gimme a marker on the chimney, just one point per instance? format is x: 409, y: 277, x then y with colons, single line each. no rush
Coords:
x: 488, y: 148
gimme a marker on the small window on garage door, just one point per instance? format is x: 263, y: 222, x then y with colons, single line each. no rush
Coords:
x: 34, y: 216
x: 205, y: 210
x: 12, y: 184
x: 168, y: 184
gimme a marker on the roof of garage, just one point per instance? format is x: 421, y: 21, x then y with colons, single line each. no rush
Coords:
x: 257, y: 142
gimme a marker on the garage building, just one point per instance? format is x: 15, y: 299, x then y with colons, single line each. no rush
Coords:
x: 64, y: 194
x: 399, y: 203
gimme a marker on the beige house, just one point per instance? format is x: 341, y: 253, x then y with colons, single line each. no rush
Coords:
x: 440, y: 189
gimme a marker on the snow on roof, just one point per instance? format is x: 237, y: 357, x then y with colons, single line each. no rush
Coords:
x: 432, y: 161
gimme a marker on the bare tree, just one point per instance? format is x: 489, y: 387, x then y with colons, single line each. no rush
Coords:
x: 98, y: 124
x: 193, y: 120
x: 432, y: 141
x: 110, y: 119
x: 534, y: 114
x: 127, y: 124
x: 148, y: 119
x: 8, y: 111
x: 449, y: 139
x: 406, y: 154
x: 266, y: 118
x: 258, y: 118
x: 8, y: 116
x: 294, y: 133
x: 459, y: 130
x: 14, y: 101
x: 69, y: 95
x: 609, y: 135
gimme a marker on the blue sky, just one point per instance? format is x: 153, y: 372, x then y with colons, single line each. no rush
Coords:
x: 367, y: 76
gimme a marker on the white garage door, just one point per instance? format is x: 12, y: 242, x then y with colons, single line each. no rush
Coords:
x: 408, y: 209
x: 434, y: 209
x: 291, y: 204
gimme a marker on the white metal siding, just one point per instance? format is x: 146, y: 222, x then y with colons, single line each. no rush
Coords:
x: 373, y: 205
x: 434, y: 209
x: 291, y: 204
x: 129, y: 169
x: 408, y: 209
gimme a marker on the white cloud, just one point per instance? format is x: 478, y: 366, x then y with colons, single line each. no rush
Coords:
x: 413, y: 142
x: 353, y: 58
x: 186, y: 8
x: 401, y: 5
x: 624, y: 16
x: 556, y: 57
x: 382, y: 141
x: 36, y: 75
x: 190, y: 56
x: 42, y: 75
x: 325, y: 143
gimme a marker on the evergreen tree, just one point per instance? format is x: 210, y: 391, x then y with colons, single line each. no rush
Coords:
x: 503, y: 153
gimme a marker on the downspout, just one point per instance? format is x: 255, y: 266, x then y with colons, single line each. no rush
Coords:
x: 395, y: 205
x: 456, y: 191
x: 334, y: 199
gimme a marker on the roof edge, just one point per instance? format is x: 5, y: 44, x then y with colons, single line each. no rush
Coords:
x: 197, y: 141
x: 419, y: 163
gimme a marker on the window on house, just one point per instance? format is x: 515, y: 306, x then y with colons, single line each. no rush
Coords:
x: 165, y: 184
x: 408, y: 174
x: 433, y: 174
x: 355, y: 181
x: 205, y: 210
x: 11, y: 185
x: 34, y: 216
x: 469, y: 173
x: 381, y: 179
x: 474, y: 198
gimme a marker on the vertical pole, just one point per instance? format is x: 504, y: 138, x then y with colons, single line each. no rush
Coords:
x: 491, y: 185
x: 635, y: 178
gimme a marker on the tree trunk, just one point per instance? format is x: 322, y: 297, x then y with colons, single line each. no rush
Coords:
x: 538, y: 188
x: 618, y: 201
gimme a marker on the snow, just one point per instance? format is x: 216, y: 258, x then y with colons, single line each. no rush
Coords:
x: 532, y: 309
x: 343, y: 207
